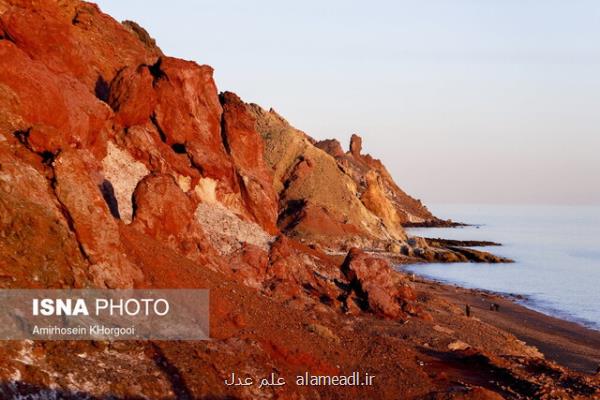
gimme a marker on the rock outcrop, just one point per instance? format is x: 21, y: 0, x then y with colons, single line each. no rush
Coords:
x: 375, y: 286
x: 338, y: 200
x: 376, y: 187
x: 246, y: 148
x: 318, y: 202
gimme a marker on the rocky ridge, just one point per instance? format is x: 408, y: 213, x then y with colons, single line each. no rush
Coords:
x: 337, y: 200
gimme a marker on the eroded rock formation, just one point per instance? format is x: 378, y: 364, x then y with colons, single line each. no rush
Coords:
x: 123, y: 167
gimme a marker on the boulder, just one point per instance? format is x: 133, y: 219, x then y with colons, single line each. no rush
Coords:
x: 294, y: 271
x: 331, y: 146
x: 165, y: 213
x: 382, y: 289
x: 132, y: 96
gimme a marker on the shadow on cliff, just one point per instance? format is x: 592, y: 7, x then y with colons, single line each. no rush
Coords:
x: 26, y: 391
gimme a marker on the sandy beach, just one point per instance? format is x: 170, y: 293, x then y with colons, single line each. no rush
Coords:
x: 566, y: 343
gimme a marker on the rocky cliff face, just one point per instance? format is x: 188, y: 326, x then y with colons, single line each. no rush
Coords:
x: 318, y: 202
x: 336, y: 200
x: 377, y: 189
x: 122, y: 167
x: 323, y: 188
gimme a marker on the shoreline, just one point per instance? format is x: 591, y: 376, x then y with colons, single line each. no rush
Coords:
x: 565, y: 342
x: 518, y: 299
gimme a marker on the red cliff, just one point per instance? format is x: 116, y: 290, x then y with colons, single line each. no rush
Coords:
x: 122, y: 167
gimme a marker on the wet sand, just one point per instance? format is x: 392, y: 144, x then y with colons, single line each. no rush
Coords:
x: 567, y: 343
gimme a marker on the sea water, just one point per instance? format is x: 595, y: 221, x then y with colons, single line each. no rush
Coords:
x: 556, y: 251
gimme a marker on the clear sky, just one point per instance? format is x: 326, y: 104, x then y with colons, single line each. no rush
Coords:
x: 463, y: 100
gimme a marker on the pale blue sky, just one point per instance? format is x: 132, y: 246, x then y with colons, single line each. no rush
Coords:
x: 464, y: 100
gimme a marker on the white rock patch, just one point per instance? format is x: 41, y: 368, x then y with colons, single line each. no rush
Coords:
x: 184, y: 182
x: 206, y: 190
x: 124, y: 172
x: 227, y: 232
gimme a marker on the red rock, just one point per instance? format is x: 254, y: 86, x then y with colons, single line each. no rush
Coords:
x: 246, y: 148
x: 376, y: 199
x: 165, y: 213
x: 331, y: 146
x: 360, y: 166
x: 144, y: 144
x: 85, y: 36
x: 302, y: 170
x: 78, y: 190
x: 305, y: 220
x: 294, y: 268
x: 40, y: 31
x: 249, y: 265
x: 355, y: 145
x: 473, y: 393
x: 131, y: 96
x: 61, y: 64
x: 64, y: 113
x: 188, y: 115
x: 373, y: 279
x: 37, y: 247
x: 322, y: 175
x: 143, y: 35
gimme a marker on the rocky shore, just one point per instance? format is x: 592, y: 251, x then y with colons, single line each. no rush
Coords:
x: 122, y: 167
x: 439, y: 242
x: 566, y: 343
x: 436, y: 223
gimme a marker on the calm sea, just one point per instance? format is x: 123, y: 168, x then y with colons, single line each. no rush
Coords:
x: 556, y: 249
